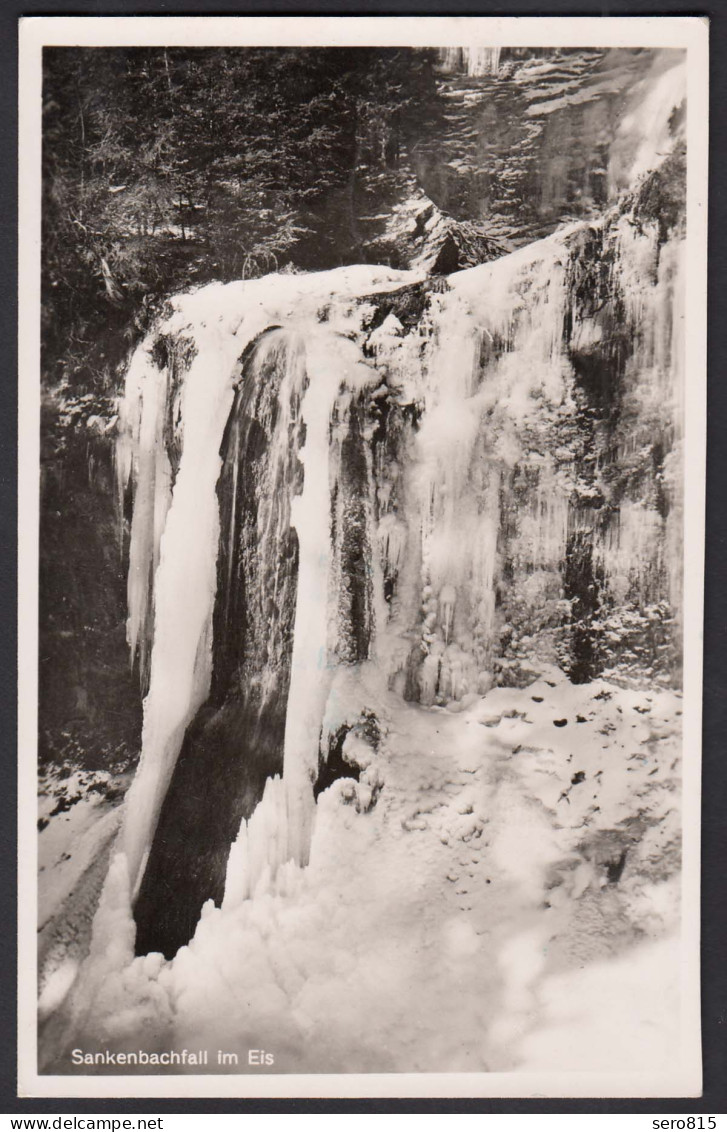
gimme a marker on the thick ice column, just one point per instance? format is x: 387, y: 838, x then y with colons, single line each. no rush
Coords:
x: 334, y: 366
x: 141, y: 458
x: 150, y: 512
x: 184, y: 596
x: 310, y: 671
x: 185, y: 583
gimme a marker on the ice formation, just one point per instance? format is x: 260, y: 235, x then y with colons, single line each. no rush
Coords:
x: 472, y: 60
x: 361, y: 499
x: 448, y: 517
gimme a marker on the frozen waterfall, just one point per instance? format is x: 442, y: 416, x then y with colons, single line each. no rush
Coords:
x: 353, y: 472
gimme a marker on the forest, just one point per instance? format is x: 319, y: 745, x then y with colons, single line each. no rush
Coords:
x: 168, y: 169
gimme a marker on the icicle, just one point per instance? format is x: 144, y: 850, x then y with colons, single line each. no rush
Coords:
x: 631, y: 552
x: 672, y: 271
x: 640, y: 547
x: 141, y: 460
x: 482, y: 60
x: 474, y: 61
x: 331, y: 363
x: 261, y: 846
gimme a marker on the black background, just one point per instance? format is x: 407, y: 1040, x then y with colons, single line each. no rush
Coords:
x: 714, y: 764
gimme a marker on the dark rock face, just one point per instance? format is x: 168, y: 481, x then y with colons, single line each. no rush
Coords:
x: 89, y: 708
x: 422, y: 237
x: 335, y: 766
x: 582, y: 590
x: 353, y: 550
x: 525, y: 146
x: 228, y: 754
x: 518, y: 148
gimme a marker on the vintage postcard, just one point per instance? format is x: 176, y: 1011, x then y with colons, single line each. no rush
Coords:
x: 362, y: 480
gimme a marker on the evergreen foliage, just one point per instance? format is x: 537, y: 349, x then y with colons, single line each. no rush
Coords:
x: 168, y: 168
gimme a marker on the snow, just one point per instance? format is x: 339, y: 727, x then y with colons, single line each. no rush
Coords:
x: 78, y: 824
x: 583, y: 1015
x: 482, y: 934
x: 68, y: 846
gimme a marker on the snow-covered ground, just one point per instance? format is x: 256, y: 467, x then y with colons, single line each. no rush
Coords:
x: 498, y: 891
x: 78, y: 819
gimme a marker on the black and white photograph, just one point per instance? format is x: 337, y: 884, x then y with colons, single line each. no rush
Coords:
x: 362, y: 487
